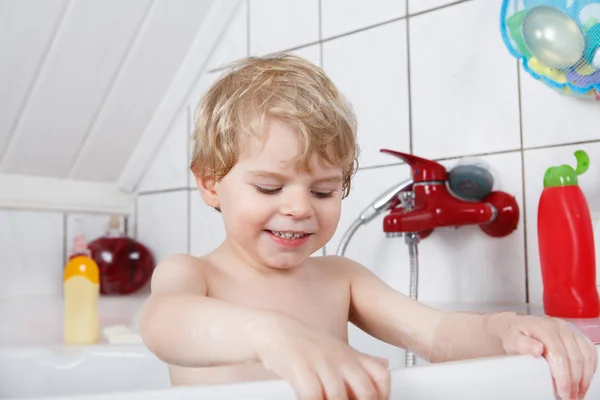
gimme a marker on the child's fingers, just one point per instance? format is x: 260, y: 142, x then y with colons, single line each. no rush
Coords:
x: 333, y: 383
x: 530, y: 346
x: 383, y: 361
x: 589, y: 363
x: 360, y: 385
x: 574, y: 358
x: 306, y: 383
x: 557, y: 357
x: 377, y: 369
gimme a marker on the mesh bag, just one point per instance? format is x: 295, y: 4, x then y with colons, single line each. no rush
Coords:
x: 557, y: 41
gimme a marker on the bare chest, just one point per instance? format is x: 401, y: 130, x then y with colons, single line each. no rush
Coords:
x: 321, y: 302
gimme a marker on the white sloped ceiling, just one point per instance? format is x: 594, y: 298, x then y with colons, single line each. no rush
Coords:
x: 88, y: 88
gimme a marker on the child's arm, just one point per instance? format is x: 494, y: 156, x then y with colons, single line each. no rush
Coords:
x: 182, y: 326
x: 436, y: 336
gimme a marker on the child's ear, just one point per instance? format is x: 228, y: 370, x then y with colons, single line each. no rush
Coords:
x: 207, y: 187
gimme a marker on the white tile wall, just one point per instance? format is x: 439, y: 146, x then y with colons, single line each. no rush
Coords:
x: 312, y: 53
x: 464, y: 101
x: 92, y: 226
x: 233, y: 44
x: 342, y: 16
x: 163, y: 222
x: 387, y: 258
x: 31, y: 250
x: 281, y: 25
x: 465, y: 264
x: 550, y: 118
x: 206, y: 226
x: 369, y: 246
x: 370, y: 68
x: 202, y: 85
x: 536, y: 163
x: 464, y: 91
x: 417, y: 6
x: 167, y: 170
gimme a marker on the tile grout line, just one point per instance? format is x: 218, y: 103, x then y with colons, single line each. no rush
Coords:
x: 339, y: 36
x: 321, y: 33
x: 409, y: 86
x: 523, y: 184
x: 188, y: 197
x: 65, y: 244
x: 247, y: 28
x: 160, y: 191
x: 430, y: 10
x: 491, y: 153
x: 188, y: 117
x: 136, y: 221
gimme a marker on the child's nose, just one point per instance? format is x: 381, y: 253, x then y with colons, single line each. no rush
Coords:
x: 297, y: 206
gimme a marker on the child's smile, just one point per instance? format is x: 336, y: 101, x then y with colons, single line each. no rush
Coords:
x: 277, y: 214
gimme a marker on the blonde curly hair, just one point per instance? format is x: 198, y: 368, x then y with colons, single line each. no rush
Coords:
x: 283, y: 86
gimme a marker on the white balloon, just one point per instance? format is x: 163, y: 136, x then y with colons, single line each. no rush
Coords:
x: 553, y: 37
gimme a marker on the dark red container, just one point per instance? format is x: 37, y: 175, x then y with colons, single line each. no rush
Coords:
x: 125, y: 264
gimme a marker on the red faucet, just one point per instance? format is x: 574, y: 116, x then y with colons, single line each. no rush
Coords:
x: 435, y: 206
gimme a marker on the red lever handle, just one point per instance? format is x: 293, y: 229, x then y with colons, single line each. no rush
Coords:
x: 423, y: 170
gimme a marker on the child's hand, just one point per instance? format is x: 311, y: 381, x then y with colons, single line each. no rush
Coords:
x: 572, y: 357
x: 319, y: 367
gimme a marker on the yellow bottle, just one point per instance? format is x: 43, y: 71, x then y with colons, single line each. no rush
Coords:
x: 81, y: 290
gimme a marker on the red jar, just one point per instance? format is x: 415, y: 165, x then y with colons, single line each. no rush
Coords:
x: 125, y: 264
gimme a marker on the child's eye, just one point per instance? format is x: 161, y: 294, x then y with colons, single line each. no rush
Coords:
x: 263, y: 190
x: 322, y: 195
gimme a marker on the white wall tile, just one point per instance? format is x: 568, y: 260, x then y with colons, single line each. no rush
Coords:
x: 550, y: 118
x: 233, y: 44
x: 464, y: 82
x: 312, y: 53
x: 202, y: 86
x: 456, y: 265
x: 163, y: 223
x: 370, y: 69
x: 206, y: 226
x: 416, y: 6
x: 92, y: 226
x: 369, y: 246
x: 31, y: 250
x: 168, y: 169
x: 341, y: 16
x: 464, y: 264
x: 387, y: 258
x: 536, y: 163
x: 280, y: 25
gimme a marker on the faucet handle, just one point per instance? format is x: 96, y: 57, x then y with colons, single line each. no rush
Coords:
x: 407, y: 200
x: 423, y: 170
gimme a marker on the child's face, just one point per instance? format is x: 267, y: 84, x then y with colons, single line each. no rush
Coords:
x: 276, y: 215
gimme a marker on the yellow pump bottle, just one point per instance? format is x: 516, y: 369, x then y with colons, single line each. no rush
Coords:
x: 81, y: 290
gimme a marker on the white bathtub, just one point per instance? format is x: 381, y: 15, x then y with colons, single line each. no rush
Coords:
x: 133, y: 373
x: 34, y: 365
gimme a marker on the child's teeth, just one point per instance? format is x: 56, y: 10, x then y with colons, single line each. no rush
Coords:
x: 288, y: 235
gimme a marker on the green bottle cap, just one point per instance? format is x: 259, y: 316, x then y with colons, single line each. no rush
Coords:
x: 565, y: 175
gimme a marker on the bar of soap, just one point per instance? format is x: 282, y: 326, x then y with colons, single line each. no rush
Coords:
x: 121, y: 334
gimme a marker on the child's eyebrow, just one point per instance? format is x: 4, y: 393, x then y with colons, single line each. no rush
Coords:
x: 268, y: 174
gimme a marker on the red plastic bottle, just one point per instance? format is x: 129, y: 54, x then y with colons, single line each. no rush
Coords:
x: 566, y: 244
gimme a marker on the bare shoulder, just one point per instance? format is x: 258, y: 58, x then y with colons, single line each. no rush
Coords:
x: 340, y: 265
x: 180, y: 273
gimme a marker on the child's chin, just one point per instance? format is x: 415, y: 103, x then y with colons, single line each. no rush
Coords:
x: 286, y: 262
